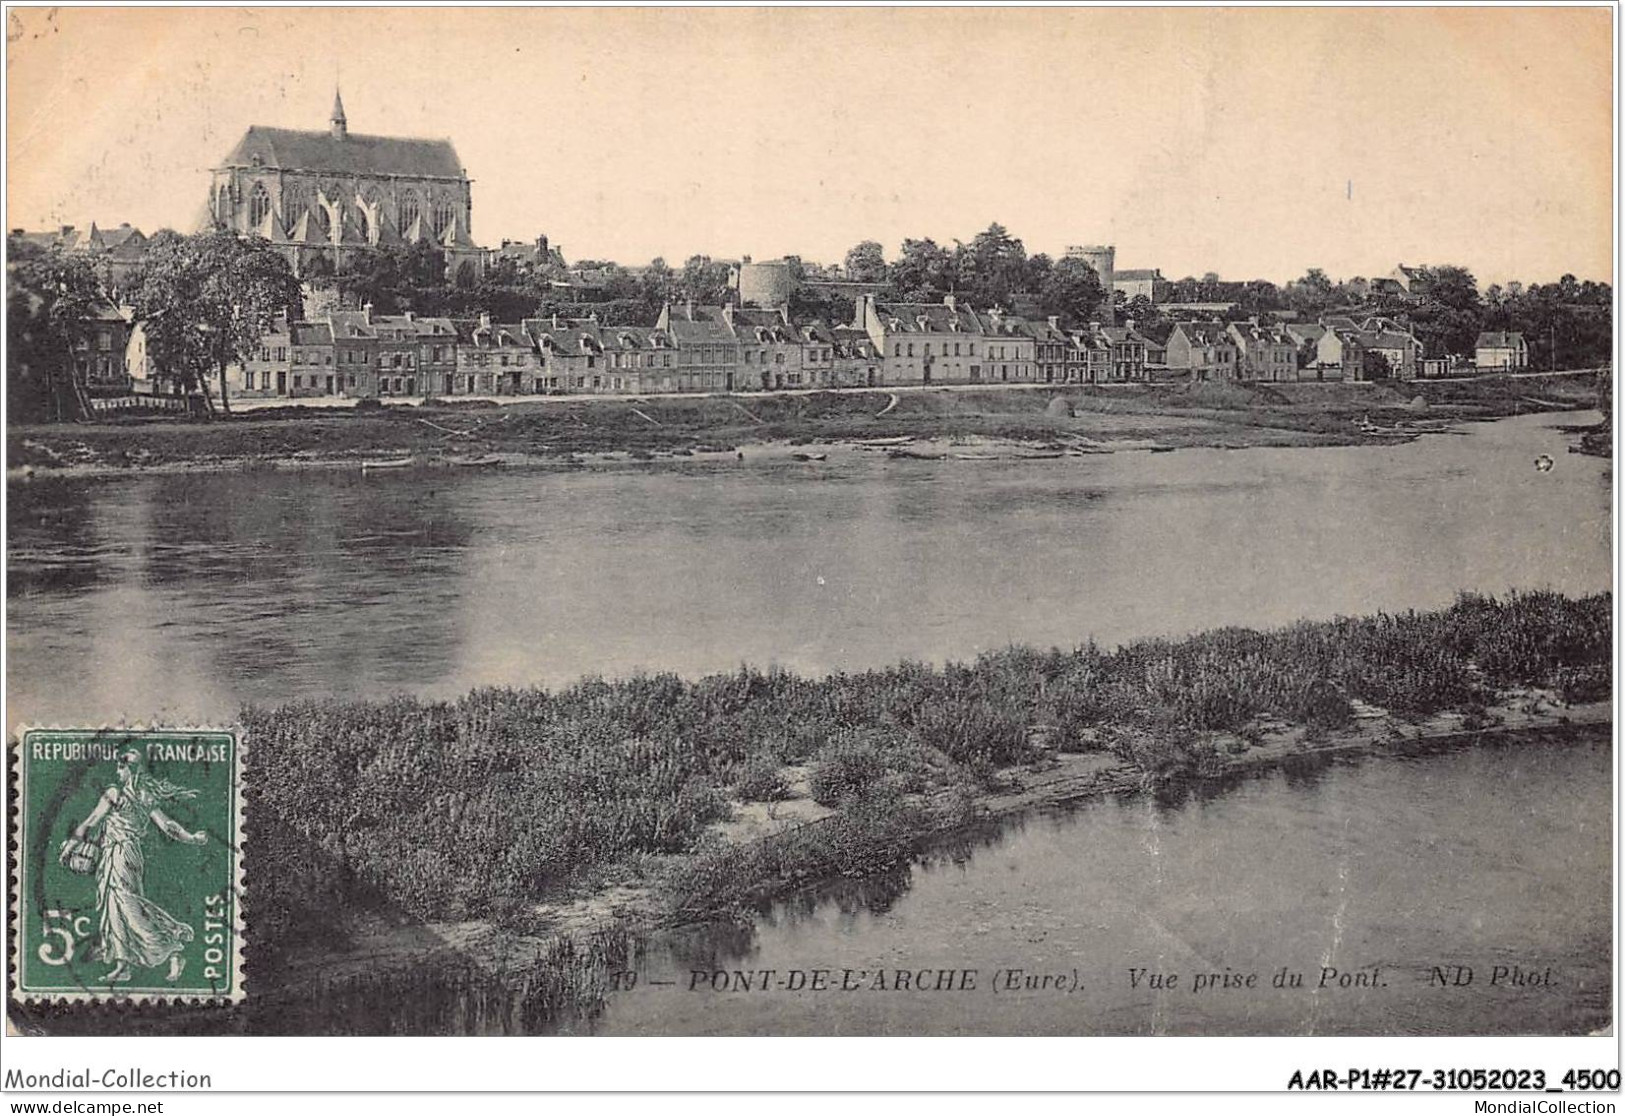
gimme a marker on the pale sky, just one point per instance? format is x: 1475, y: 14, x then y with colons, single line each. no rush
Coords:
x: 1251, y: 142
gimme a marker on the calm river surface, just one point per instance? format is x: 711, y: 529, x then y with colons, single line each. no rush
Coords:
x: 182, y: 597
x: 1498, y: 856
x: 178, y: 598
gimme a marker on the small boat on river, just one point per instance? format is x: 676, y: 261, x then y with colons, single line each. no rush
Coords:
x: 802, y: 455
x: 394, y: 463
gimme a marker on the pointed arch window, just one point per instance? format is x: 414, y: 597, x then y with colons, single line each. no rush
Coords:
x: 410, y: 208
x: 259, y: 205
x: 444, y: 215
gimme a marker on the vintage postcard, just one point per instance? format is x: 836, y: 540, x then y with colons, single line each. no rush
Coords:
x: 773, y: 522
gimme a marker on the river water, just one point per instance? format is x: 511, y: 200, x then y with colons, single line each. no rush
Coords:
x: 1494, y: 861
x: 181, y: 597
x: 178, y: 598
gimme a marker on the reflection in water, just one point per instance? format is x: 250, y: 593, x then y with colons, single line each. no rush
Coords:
x: 207, y: 591
x: 54, y: 544
x: 198, y: 593
x: 1399, y: 863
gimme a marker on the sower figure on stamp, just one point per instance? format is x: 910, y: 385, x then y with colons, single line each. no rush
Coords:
x: 134, y: 929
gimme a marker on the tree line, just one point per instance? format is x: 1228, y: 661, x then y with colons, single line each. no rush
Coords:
x: 204, y: 302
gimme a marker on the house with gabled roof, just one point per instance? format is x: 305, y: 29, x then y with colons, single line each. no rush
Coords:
x: 1010, y: 347
x: 1203, y: 350
x: 1397, y: 347
x: 1091, y: 358
x: 1052, y: 346
x: 497, y: 358
x: 637, y: 359
x: 769, y: 345
x: 817, y: 354
x: 707, y: 350
x: 1139, y: 282
x: 1501, y: 350
x: 935, y: 342
x: 858, y: 360
x: 1266, y: 353
x: 1128, y: 349
x: 570, y: 352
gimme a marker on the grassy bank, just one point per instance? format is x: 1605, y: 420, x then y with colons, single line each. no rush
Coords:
x: 487, y: 806
x: 1169, y: 415
x: 419, y: 867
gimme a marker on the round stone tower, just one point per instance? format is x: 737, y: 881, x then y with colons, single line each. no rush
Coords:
x: 765, y: 284
x: 1103, y: 258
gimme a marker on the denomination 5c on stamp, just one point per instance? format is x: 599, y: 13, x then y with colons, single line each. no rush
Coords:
x: 129, y: 872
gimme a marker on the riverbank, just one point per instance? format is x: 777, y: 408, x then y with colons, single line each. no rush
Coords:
x: 628, y: 909
x: 513, y: 825
x: 937, y: 424
x: 520, y: 845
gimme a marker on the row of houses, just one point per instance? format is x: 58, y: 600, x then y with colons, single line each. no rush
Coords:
x: 690, y: 348
x: 1338, y: 347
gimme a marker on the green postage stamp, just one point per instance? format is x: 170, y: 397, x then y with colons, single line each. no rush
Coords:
x: 129, y: 865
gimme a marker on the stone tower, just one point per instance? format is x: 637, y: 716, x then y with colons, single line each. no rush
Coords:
x: 1103, y: 258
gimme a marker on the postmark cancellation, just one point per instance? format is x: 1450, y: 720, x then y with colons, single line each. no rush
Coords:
x: 127, y: 871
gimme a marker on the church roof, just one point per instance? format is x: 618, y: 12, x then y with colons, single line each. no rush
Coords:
x: 291, y: 149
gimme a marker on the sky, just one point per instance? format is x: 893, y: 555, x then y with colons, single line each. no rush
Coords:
x: 1255, y: 143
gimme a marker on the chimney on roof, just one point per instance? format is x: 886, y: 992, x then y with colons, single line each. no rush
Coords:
x: 1055, y: 321
x: 541, y: 245
x: 485, y: 320
x: 66, y: 229
x: 950, y: 301
x: 337, y: 125
x: 366, y: 311
x: 410, y: 316
x: 1128, y: 323
x: 728, y: 313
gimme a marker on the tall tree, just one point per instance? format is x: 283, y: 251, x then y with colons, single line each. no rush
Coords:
x: 206, y: 302
x: 49, y: 299
x: 866, y: 262
x: 993, y: 266
x: 923, y: 269
x: 1072, y: 290
x: 704, y: 280
x: 1448, y: 316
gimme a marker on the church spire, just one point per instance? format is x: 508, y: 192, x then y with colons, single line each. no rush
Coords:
x: 340, y: 128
